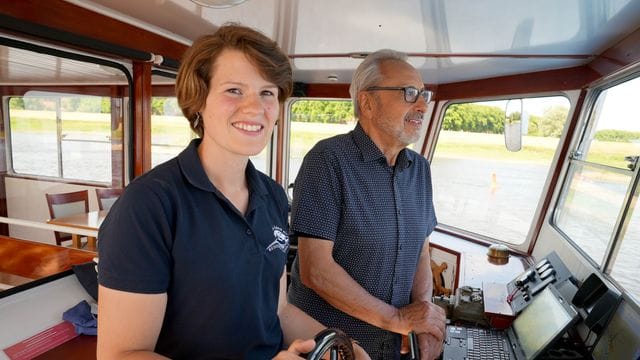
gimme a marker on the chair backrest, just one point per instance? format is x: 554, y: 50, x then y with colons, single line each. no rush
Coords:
x: 65, y: 204
x: 106, y: 197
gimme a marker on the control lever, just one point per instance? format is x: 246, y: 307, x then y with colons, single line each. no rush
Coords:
x: 542, y: 285
x: 414, y: 348
x: 525, y: 278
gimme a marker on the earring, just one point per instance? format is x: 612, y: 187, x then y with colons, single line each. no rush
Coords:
x: 196, y: 122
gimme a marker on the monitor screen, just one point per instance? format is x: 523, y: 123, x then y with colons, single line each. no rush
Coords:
x: 541, y: 322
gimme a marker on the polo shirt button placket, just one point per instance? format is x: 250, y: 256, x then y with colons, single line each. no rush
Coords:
x: 249, y: 232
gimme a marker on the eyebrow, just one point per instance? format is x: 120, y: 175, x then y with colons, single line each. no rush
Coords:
x: 235, y: 83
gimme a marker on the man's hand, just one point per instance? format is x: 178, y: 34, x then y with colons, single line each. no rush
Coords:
x: 430, y: 347
x: 423, y: 317
x: 296, y: 348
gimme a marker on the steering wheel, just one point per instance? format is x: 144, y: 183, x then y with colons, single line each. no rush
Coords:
x: 336, y: 342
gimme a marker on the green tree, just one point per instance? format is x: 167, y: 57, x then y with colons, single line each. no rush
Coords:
x: 552, y: 121
x: 157, y: 105
x: 16, y: 103
x: 618, y: 135
x: 105, y: 105
x: 474, y: 118
x: 322, y: 111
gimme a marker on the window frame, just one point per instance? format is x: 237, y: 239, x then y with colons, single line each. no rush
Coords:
x: 125, y: 106
x: 590, y: 109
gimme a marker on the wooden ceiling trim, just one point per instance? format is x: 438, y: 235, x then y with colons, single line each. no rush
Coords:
x: 552, y: 80
x: 619, y: 56
x: 328, y: 90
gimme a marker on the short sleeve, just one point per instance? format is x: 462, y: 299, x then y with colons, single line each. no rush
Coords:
x: 317, y: 196
x: 134, y: 242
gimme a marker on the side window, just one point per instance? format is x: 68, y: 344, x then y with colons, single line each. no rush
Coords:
x: 479, y: 185
x: 170, y: 131
x: 61, y: 135
x: 597, y: 207
x: 311, y: 121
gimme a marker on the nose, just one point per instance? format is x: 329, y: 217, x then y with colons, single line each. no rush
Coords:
x: 252, y: 104
x: 421, y: 104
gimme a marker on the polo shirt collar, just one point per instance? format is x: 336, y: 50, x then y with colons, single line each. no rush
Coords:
x: 192, y: 169
x: 370, y: 151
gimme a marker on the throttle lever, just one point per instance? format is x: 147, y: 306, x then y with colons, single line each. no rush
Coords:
x: 414, y: 349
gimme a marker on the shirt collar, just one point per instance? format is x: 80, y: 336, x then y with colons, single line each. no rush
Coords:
x: 370, y: 151
x: 192, y: 169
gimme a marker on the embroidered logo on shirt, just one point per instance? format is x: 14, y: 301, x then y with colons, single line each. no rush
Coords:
x: 281, y: 240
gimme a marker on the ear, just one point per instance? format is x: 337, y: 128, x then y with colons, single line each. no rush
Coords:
x: 367, y: 103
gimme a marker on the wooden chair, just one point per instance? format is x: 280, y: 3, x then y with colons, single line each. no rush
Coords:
x: 106, y: 197
x: 65, y: 204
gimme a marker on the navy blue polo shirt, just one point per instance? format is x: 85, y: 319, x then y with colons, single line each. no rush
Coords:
x: 173, y: 232
x: 378, y: 217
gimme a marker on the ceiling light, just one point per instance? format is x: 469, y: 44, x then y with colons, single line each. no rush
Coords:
x: 218, y: 4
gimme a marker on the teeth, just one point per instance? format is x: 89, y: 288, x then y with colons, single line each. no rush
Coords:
x: 247, y: 127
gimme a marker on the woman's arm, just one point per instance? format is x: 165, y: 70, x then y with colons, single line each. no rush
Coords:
x: 129, y: 324
x: 296, y: 324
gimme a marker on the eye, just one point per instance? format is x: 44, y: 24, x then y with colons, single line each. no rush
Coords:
x: 267, y: 93
x: 411, y: 91
x: 235, y: 91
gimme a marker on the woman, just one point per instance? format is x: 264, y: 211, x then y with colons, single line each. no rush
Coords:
x: 192, y: 254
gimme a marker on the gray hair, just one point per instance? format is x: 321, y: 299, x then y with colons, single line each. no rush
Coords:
x: 368, y: 73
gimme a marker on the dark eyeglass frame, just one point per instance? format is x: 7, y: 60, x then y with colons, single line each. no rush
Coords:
x: 426, y: 94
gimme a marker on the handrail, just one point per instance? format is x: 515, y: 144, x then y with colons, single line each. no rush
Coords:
x: 41, y: 225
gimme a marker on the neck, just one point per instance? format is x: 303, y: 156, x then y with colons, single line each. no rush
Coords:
x: 226, y: 171
x: 389, y: 147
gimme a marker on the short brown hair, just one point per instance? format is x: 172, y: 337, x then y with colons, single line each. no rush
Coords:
x: 194, y: 75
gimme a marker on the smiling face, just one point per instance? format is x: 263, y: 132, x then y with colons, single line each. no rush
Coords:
x: 392, y: 120
x: 241, y: 108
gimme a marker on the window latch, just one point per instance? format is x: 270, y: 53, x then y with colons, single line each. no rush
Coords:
x: 633, y: 161
x: 575, y: 155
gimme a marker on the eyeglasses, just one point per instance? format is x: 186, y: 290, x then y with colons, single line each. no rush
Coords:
x: 410, y: 93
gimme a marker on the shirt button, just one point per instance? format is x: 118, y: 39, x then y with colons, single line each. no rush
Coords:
x: 249, y: 232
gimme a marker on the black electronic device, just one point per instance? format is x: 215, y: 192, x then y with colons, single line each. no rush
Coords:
x: 524, y: 287
x: 590, y: 290
x: 596, y: 303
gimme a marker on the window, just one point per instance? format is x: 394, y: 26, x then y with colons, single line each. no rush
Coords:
x: 311, y: 121
x: 170, y: 131
x: 61, y: 135
x: 480, y: 186
x: 65, y: 121
x: 597, y: 209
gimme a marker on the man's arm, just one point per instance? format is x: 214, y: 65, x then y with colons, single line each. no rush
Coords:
x: 319, y: 272
x: 430, y: 346
x: 423, y: 281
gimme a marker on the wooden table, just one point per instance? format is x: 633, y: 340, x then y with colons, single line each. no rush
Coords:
x: 86, y: 221
x: 22, y: 261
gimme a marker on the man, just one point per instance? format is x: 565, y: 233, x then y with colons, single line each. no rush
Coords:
x: 362, y: 211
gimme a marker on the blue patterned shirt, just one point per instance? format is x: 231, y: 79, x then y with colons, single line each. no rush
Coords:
x: 378, y: 217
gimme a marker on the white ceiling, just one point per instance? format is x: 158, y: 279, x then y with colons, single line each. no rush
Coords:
x: 555, y: 34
